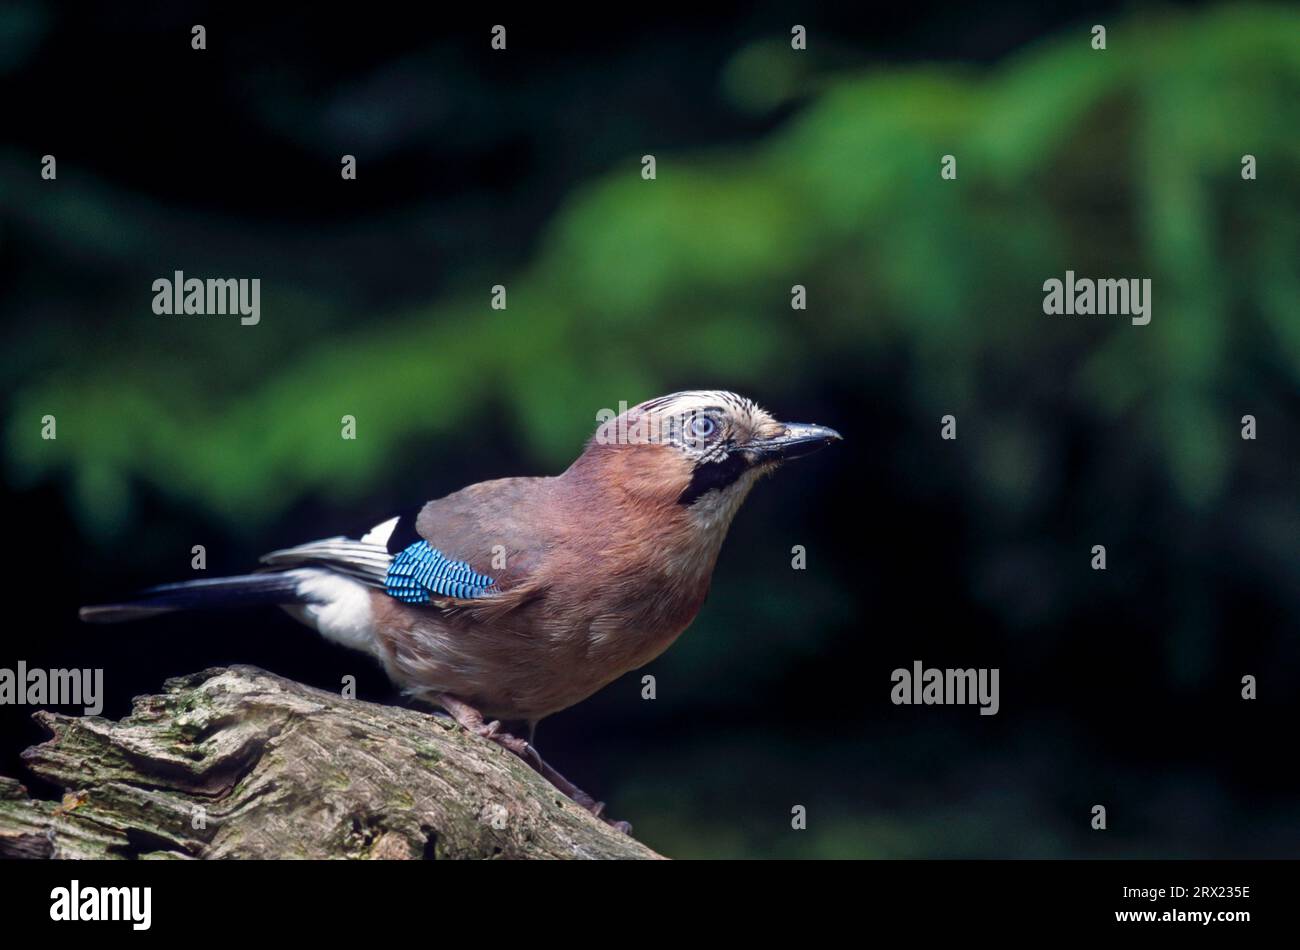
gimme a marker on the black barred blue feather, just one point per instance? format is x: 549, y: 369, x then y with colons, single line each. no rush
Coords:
x: 420, y: 571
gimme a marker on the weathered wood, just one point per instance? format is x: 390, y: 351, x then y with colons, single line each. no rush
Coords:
x: 239, y: 763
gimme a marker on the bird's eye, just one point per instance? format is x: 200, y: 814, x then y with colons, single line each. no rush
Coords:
x: 701, y: 427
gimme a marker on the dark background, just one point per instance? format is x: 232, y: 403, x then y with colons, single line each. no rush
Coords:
x: 1119, y: 688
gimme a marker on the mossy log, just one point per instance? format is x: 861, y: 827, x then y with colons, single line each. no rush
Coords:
x: 239, y: 763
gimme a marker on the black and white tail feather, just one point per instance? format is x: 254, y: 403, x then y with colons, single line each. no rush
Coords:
x: 249, y: 590
x: 314, y: 574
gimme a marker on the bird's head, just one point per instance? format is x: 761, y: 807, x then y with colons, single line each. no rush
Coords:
x: 701, y: 450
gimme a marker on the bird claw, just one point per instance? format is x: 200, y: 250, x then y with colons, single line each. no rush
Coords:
x: 470, y: 718
x: 597, y: 810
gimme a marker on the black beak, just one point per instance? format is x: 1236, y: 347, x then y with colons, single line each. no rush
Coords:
x: 798, y: 439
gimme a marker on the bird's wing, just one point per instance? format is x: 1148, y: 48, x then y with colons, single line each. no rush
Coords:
x: 504, y: 529
x: 393, y: 557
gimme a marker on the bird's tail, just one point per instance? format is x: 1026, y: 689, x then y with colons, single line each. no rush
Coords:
x: 248, y: 590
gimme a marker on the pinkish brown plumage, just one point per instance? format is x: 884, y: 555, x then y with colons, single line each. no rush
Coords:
x: 523, y: 596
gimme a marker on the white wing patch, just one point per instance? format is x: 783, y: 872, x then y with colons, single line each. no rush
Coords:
x: 380, y: 533
x: 339, y: 609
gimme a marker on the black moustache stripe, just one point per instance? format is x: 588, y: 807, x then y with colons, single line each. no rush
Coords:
x: 709, y: 476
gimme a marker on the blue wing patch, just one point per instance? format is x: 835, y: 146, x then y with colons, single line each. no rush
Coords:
x: 420, y: 571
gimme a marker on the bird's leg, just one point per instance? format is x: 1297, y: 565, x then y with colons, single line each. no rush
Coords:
x: 472, y: 721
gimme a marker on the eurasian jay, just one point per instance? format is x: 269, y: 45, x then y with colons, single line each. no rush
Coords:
x: 515, y: 598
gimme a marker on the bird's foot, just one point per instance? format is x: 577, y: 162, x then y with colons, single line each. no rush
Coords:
x: 472, y: 720
x: 548, y: 772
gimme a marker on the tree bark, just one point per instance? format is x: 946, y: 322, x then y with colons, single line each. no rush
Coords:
x: 238, y: 763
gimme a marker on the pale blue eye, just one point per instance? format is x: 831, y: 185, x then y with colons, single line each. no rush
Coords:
x: 702, y: 427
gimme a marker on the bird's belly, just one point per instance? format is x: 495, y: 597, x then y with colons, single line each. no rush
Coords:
x: 539, y: 680
x: 522, y: 669
x: 528, y: 680
x: 561, y: 674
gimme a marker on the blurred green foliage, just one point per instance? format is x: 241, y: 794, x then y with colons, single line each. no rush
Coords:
x: 1119, y: 163
x: 924, y: 298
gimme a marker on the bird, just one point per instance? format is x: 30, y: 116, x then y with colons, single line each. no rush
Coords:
x: 512, y: 599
